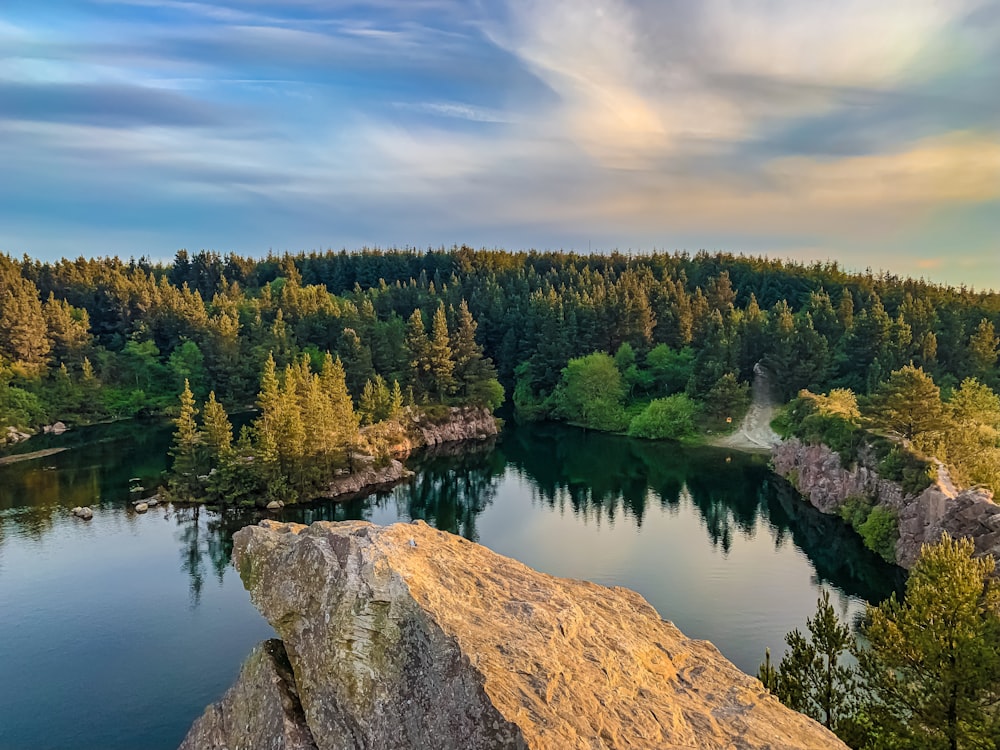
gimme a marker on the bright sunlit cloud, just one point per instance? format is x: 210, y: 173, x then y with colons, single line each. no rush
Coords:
x: 866, y: 131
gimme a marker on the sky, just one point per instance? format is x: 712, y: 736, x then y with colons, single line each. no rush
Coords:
x: 861, y: 131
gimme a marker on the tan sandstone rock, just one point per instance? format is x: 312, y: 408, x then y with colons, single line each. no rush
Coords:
x: 405, y: 637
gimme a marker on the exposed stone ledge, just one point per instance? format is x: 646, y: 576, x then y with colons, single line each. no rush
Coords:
x: 817, y: 473
x: 405, y: 637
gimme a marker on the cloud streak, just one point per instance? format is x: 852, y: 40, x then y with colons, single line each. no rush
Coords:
x: 855, y: 130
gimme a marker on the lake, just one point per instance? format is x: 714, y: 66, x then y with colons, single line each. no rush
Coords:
x: 115, y: 633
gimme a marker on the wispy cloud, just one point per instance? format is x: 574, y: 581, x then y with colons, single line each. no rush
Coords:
x: 859, y: 128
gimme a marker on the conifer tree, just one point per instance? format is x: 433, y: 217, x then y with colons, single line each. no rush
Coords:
x: 418, y: 349
x: 932, y: 665
x: 441, y: 361
x: 344, y: 422
x: 186, y: 441
x: 395, y: 401
x: 217, y: 431
x: 909, y: 405
x: 812, y: 677
x: 267, y: 425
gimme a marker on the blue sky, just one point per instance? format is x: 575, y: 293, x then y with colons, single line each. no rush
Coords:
x: 866, y: 131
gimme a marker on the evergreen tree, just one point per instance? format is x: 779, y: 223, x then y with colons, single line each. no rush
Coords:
x: 418, y: 349
x: 909, y: 405
x: 186, y: 444
x: 343, y: 420
x: 983, y: 347
x: 932, y: 665
x: 440, y: 360
x: 266, y: 427
x: 217, y: 431
x: 812, y: 677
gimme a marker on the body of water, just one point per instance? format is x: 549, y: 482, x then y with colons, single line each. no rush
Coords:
x: 115, y: 633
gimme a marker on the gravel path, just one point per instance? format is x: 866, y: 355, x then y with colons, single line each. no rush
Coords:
x: 755, y: 433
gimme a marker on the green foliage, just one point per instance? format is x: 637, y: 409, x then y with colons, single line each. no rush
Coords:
x: 908, y: 405
x: 928, y: 668
x: 855, y: 510
x: 814, y: 677
x: 671, y: 369
x: 880, y: 530
x: 728, y: 398
x: 590, y: 393
x: 932, y: 666
x: 900, y: 464
x: 671, y: 418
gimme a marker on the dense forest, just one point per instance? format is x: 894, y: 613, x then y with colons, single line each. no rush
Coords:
x: 655, y: 345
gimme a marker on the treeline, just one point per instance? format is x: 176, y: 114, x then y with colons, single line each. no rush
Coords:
x: 924, y: 674
x: 131, y: 332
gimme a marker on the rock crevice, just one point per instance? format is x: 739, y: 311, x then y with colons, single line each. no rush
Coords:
x: 406, y: 637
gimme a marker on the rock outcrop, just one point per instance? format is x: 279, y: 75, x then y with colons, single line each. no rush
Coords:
x: 405, y: 637
x: 262, y: 710
x: 370, y: 477
x: 818, y: 474
x: 461, y: 423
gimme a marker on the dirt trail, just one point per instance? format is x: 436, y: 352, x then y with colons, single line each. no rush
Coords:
x: 755, y: 433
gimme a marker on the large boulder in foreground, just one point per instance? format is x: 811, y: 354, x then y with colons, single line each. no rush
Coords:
x: 261, y: 710
x: 405, y: 637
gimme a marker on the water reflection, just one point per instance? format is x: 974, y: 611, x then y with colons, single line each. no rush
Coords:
x: 598, y: 478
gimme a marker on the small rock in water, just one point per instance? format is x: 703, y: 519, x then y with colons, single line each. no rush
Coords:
x: 152, y: 502
x: 85, y: 513
x: 141, y: 507
x: 274, y: 505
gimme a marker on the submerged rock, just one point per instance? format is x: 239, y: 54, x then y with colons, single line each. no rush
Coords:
x: 405, y: 637
x: 261, y: 710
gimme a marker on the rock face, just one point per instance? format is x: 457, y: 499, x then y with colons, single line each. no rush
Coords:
x: 462, y: 423
x: 261, y: 710
x: 817, y: 473
x: 405, y: 637
x: 368, y: 478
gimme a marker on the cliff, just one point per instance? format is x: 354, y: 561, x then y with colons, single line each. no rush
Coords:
x: 818, y: 474
x: 405, y: 637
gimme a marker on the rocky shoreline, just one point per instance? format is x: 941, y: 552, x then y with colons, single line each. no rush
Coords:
x: 817, y: 473
x: 405, y: 637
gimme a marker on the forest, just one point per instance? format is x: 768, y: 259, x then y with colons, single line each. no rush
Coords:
x: 656, y: 346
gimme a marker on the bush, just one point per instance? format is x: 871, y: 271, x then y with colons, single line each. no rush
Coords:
x: 880, y: 532
x: 899, y: 464
x: 855, y: 511
x: 665, y: 418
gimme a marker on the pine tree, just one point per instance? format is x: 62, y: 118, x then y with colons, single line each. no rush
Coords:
x: 442, y: 363
x: 266, y: 426
x: 217, y: 431
x: 187, y: 441
x: 909, y: 405
x: 811, y: 677
x: 344, y: 422
x: 395, y: 401
x: 983, y: 347
x: 418, y: 349
x: 932, y: 665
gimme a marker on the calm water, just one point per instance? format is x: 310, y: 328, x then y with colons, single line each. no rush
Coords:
x: 115, y: 633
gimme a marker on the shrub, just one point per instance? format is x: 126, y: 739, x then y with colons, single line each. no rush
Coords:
x: 880, y: 532
x: 665, y: 418
x: 855, y: 510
